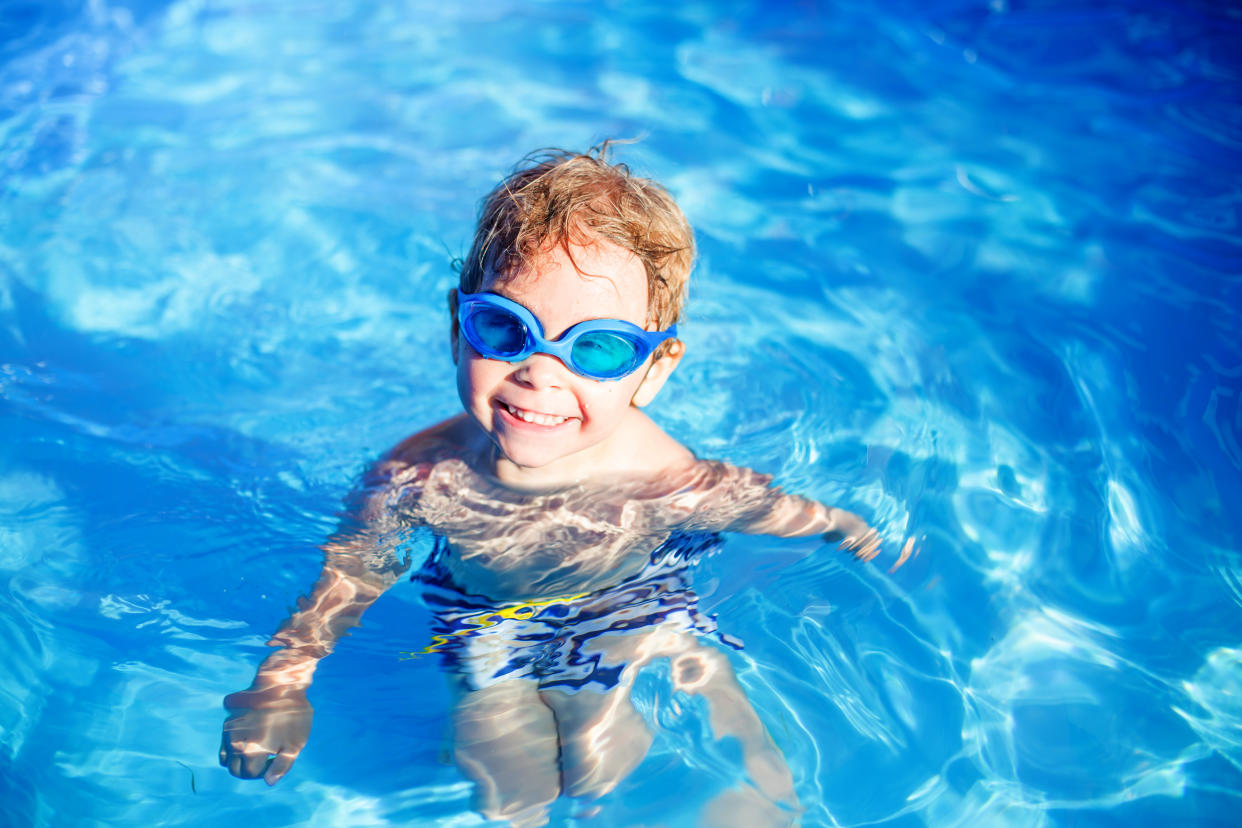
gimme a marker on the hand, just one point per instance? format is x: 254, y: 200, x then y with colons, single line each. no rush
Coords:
x: 853, y: 534
x: 265, y: 733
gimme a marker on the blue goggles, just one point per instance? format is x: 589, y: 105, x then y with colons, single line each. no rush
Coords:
x: 599, y: 349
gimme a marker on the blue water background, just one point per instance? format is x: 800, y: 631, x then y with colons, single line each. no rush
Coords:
x: 969, y: 268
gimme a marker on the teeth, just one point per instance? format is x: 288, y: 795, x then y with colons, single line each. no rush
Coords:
x: 533, y: 417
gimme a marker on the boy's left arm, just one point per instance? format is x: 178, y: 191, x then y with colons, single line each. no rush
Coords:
x: 736, y: 499
x: 793, y: 516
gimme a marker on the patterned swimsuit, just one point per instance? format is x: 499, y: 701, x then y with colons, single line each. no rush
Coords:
x: 557, y: 642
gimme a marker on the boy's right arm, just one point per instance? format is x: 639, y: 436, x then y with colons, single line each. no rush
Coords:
x: 270, y: 721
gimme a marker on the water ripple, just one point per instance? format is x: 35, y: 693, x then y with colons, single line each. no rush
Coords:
x: 1216, y: 689
x: 967, y: 268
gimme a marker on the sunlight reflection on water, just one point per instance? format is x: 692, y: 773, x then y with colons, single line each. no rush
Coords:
x: 962, y: 269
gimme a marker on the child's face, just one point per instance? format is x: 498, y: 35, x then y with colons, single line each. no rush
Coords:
x: 548, y: 422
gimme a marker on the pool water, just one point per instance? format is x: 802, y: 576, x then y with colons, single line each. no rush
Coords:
x: 971, y: 269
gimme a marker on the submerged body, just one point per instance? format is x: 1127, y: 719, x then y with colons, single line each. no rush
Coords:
x: 548, y: 496
x: 547, y: 605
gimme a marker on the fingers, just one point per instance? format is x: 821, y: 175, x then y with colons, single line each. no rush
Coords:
x: 254, y: 763
x: 264, y: 743
x: 853, y: 533
x: 250, y: 760
x: 279, y: 767
x: 906, y: 551
x: 865, y: 547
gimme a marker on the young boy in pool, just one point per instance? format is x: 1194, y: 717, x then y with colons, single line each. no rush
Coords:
x: 547, y: 497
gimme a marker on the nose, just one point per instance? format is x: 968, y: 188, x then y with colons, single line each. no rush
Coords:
x: 542, y: 371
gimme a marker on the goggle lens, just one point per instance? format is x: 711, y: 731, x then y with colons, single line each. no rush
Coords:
x: 604, y: 354
x: 499, y: 330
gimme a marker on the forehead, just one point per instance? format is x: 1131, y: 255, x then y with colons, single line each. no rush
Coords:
x: 588, y: 281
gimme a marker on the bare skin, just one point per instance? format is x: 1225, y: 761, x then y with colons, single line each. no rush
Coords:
x: 522, y: 744
x: 550, y: 485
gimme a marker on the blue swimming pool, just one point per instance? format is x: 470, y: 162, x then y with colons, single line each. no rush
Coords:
x: 971, y: 269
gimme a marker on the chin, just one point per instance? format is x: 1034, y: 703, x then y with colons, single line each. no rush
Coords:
x: 527, y: 457
x: 538, y: 455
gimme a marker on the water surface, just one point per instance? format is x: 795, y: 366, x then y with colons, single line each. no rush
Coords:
x: 970, y: 269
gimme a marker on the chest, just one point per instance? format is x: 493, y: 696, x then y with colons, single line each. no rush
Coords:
x: 510, y: 547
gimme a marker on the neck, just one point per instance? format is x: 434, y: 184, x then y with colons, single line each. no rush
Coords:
x: 532, y: 481
x: 488, y: 460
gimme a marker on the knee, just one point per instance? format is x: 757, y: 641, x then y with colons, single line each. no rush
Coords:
x: 694, y: 670
x: 511, y: 790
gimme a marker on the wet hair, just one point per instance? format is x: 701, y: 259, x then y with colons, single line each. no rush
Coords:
x: 558, y: 197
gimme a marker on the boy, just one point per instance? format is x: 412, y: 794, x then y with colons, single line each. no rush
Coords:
x: 547, y: 497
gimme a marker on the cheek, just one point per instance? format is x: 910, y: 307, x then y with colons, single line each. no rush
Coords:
x: 473, y: 375
x: 608, y: 402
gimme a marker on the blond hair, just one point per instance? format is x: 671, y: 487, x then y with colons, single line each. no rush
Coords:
x: 559, y: 197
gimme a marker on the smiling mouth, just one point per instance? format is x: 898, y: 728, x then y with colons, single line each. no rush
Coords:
x: 533, y: 417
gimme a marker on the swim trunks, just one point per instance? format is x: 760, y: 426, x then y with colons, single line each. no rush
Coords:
x: 561, y: 642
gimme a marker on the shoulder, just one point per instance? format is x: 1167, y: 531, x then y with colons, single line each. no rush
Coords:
x: 699, y: 496
x: 446, y: 440
x: 648, y: 449
x: 707, y: 479
x: 401, y: 473
x: 713, y: 496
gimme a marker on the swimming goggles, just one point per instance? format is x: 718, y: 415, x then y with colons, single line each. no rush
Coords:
x: 599, y: 349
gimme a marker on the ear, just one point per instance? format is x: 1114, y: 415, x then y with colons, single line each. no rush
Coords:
x: 453, y: 333
x: 658, y: 373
